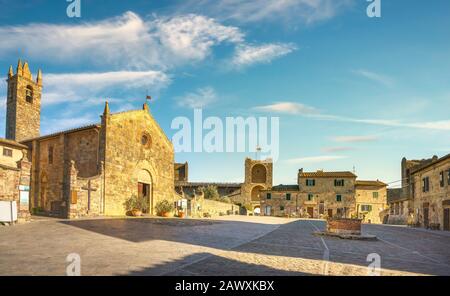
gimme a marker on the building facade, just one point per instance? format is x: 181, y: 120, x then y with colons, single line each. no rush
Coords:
x: 401, y: 202
x: 90, y: 170
x: 15, y: 170
x: 431, y: 191
x: 316, y: 195
x: 371, y: 201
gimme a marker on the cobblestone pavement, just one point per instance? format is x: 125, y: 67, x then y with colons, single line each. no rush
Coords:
x: 122, y: 246
x: 233, y: 245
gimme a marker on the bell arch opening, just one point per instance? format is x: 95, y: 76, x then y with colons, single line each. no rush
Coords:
x: 259, y: 174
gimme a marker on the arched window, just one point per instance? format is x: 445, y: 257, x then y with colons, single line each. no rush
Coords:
x: 29, y: 94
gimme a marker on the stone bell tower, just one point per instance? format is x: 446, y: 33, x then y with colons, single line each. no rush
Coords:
x: 23, y: 104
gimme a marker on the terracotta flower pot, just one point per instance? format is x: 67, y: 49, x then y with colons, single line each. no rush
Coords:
x: 164, y: 214
x: 136, y: 213
x: 181, y: 214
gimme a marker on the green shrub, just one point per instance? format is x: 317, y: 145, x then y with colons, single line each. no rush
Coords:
x: 135, y: 203
x: 164, y: 206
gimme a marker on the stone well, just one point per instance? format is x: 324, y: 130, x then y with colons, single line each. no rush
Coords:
x: 344, y: 226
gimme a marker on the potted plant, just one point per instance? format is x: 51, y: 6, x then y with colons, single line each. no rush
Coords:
x: 163, y: 208
x: 135, y: 206
x: 181, y: 214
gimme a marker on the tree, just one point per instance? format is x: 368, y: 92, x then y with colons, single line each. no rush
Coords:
x: 210, y: 192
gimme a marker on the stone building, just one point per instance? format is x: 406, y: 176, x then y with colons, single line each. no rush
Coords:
x: 15, y: 169
x: 431, y: 192
x: 401, y: 202
x: 258, y: 177
x: 371, y: 201
x: 316, y: 194
x: 90, y: 170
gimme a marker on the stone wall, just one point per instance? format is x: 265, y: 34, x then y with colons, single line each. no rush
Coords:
x: 437, y: 197
x: 52, y: 160
x: 9, y: 183
x: 13, y: 177
x: 201, y: 207
x: 128, y: 155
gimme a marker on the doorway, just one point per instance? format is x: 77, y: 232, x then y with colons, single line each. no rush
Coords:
x: 330, y: 213
x: 310, y: 212
x: 267, y: 211
x: 447, y: 219
x: 144, y: 193
x: 426, y: 220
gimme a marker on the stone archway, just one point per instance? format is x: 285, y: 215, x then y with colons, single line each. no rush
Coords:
x: 256, y: 193
x: 259, y: 173
x: 145, y: 188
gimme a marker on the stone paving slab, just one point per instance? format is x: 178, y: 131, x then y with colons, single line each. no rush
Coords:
x: 230, y: 245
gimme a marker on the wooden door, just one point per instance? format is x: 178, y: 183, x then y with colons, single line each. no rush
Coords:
x: 311, y: 212
x: 447, y: 219
x: 426, y: 221
x: 330, y: 213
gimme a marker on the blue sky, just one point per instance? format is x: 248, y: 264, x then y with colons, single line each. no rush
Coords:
x: 350, y: 91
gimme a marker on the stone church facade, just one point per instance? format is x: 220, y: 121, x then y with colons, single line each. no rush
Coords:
x: 90, y: 170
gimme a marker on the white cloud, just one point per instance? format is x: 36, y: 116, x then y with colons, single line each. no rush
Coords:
x: 125, y: 41
x: 353, y: 139
x: 287, y: 107
x: 315, y: 159
x: 82, y: 87
x: 337, y: 149
x: 247, y: 55
x: 198, y: 99
x: 284, y: 107
x: 383, y: 79
x: 306, y: 11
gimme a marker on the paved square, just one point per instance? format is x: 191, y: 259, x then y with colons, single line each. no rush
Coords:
x: 232, y: 245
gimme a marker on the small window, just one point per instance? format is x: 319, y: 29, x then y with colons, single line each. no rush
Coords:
x: 338, y: 198
x: 375, y: 194
x: 310, y: 196
x: 310, y: 182
x: 288, y: 196
x: 29, y: 94
x: 339, y: 182
x: 50, y: 155
x: 426, y: 184
x: 448, y: 177
x: 269, y: 196
x: 441, y: 179
x: 366, y: 208
x: 7, y: 152
x: 146, y: 140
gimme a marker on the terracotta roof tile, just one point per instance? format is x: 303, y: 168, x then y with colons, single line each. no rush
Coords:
x: 322, y: 174
x: 369, y: 183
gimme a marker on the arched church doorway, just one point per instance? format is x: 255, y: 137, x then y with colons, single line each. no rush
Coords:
x: 145, y: 189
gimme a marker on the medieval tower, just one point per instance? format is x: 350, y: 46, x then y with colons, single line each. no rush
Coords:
x: 258, y: 176
x: 23, y: 105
